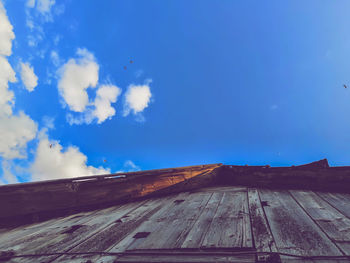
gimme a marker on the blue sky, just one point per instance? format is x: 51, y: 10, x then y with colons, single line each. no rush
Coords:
x: 237, y: 82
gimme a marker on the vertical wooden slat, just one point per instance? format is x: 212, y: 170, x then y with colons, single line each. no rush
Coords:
x: 230, y: 227
x: 293, y: 230
x: 199, y: 229
x: 263, y: 238
x: 177, y: 224
x: 330, y: 220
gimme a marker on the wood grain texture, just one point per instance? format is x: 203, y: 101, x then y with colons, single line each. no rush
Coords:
x: 150, y: 225
x: 69, y: 233
x: 179, y: 220
x: 202, y: 224
x: 186, y: 258
x: 293, y: 230
x: 330, y: 220
x: 230, y: 227
x: 30, y: 202
x: 263, y: 238
x: 338, y: 200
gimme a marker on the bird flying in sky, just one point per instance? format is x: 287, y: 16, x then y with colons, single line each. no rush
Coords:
x: 345, y: 86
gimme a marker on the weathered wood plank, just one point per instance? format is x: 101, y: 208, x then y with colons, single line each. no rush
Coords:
x: 187, y: 258
x: 330, y: 220
x: 150, y: 225
x: 230, y: 227
x: 68, y: 233
x: 217, y: 189
x: 339, y: 201
x: 174, y: 228
x: 293, y: 230
x: 114, y: 233
x: 263, y: 238
x: 201, y: 226
x: 27, y: 230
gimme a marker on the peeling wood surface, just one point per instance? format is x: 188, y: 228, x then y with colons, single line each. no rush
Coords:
x: 204, y: 225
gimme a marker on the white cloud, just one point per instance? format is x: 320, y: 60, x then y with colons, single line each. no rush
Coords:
x: 7, y: 176
x: 48, y: 122
x: 44, y: 6
x: 101, y: 109
x: 6, y: 33
x: 55, y: 58
x: 39, y: 12
x: 105, y: 95
x: 7, y: 75
x: 76, y: 76
x: 29, y: 79
x: 54, y: 162
x: 15, y: 132
x: 137, y: 98
x: 131, y: 167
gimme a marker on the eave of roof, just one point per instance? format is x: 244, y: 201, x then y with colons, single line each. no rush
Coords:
x: 37, y: 201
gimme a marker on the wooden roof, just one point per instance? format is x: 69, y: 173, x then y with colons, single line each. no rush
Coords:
x: 212, y: 213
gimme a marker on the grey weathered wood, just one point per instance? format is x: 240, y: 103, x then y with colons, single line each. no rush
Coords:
x: 174, y: 228
x: 230, y: 227
x: 339, y: 201
x: 293, y: 230
x: 24, y: 233
x: 115, y: 232
x: 331, y: 221
x: 263, y: 238
x: 150, y: 225
x: 187, y: 258
x: 180, y: 256
x: 56, y: 239
x: 221, y: 189
x: 201, y: 226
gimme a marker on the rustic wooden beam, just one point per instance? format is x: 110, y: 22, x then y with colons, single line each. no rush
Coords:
x: 314, y: 176
x: 32, y: 202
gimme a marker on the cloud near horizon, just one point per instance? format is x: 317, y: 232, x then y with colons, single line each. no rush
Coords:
x: 54, y: 162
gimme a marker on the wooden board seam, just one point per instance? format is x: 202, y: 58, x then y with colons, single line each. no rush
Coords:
x: 316, y: 223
